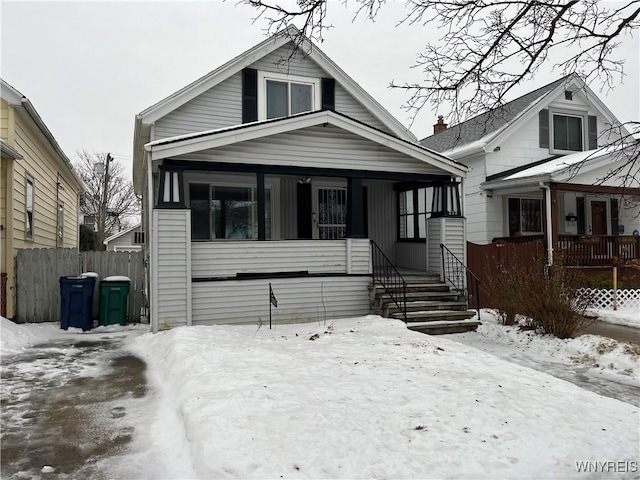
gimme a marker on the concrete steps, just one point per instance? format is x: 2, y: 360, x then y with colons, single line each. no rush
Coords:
x: 432, y: 307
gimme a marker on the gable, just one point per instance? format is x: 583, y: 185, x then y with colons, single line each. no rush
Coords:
x: 507, y: 123
x: 316, y: 139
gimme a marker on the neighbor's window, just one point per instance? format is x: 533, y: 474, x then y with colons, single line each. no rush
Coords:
x: 412, y: 214
x: 525, y: 216
x: 226, y: 212
x: 284, y: 95
x: 60, y: 224
x: 567, y: 133
x: 28, y: 229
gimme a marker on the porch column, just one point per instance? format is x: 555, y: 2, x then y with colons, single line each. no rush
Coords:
x: 262, y: 231
x: 554, y: 215
x: 355, y: 208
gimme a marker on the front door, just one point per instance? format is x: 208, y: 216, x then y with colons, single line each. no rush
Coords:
x: 330, y: 213
x: 598, y: 216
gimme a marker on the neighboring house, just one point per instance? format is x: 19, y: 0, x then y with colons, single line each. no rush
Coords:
x: 537, y: 167
x: 278, y: 169
x: 128, y: 240
x: 38, y: 188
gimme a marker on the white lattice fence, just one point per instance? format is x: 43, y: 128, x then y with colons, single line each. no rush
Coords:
x: 627, y: 299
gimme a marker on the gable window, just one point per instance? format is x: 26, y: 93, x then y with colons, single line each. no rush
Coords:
x: 525, y: 216
x: 412, y: 214
x: 138, y: 237
x: 567, y: 133
x: 563, y: 131
x: 226, y: 212
x: 28, y: 228
x: 283, y: 95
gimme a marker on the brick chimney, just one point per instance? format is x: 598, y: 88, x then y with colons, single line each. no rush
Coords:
x: 440, y: 126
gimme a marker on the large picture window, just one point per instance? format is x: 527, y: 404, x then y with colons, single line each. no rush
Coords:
x: 28, y: 228
x: 567, y: 133
x: 525, y: 216
x: 284, y: 95
x: 412, y: 214
x: 226, y: 212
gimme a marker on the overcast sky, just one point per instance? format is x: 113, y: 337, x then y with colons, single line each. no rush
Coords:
x: 89, y: 67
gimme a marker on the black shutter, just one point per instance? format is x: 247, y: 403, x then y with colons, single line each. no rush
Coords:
x: 544, y: 128
x: 304, y: 211
x: 328, y: 94
x: 249, y: 95
x: 581, y: 215
x: 593, y: 132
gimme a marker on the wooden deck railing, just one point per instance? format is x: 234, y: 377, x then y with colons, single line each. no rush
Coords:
x: 598, y: 250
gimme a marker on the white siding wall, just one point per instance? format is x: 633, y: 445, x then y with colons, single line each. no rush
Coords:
x: 226, y: 259
x: 218, y: 107
x: 299, y: 300
x: 450, y: 232
x: 324, y: 147
x: 172, y: 263
x: 221, y: 106
x: 125, y: 242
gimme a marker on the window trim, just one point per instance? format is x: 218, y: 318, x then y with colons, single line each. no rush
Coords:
x: 28, y: 234
x: 254, y: 199
x: 520, y: 198
x: 583, y: 115
x: 280, y: 77
x: 416, y: 215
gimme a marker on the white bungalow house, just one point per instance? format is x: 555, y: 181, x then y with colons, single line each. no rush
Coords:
x: 538, y: 170
x: 278, y: 169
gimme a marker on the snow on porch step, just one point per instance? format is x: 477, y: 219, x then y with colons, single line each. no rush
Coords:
x: 444, y: 327
x: 435, y: 315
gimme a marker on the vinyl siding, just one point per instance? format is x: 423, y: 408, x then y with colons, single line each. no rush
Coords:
x: 125, y: 242
x: 225, y: 259
x: 221, y: 106
x: 299, y: 300
x: 450, y: 232
x: 218, y: 107
x: 173, y: 269
x: 39, y: 165
x: 323, y: 147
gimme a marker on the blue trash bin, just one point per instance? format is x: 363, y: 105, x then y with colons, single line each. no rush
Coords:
x: 76, y: 302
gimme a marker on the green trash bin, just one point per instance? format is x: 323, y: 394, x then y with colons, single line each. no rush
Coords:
x: 114, y: 295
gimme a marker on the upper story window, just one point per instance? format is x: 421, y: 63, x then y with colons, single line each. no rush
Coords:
x: 568, y: 132
x: 28, y: 228
x: 283, y: 95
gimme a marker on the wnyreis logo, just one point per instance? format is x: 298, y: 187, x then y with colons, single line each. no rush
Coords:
x: 622, y: 466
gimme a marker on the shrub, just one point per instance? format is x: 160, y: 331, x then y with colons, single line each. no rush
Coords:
x: 548, y: 296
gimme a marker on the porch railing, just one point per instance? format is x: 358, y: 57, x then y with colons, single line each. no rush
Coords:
x: 387, y: 275
x: 598, y: 250
x: 462, y: 279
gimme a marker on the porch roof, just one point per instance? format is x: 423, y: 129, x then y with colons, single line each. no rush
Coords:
x: 592, y: 167
x: 420, y: 157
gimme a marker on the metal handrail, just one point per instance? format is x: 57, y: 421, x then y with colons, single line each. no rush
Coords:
x: 387, y: 275
x: 456, y: 273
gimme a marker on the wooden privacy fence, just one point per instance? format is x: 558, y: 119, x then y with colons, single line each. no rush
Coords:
x: 483, y: 260
x: 38, y: 272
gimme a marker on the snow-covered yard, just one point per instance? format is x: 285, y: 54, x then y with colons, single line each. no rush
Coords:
x: 365, y: 398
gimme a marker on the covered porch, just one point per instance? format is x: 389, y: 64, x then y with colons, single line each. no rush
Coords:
x: 229, y: 221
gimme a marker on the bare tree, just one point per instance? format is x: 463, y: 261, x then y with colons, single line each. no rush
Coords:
x: 109, y: 196
x: 488, y: 47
